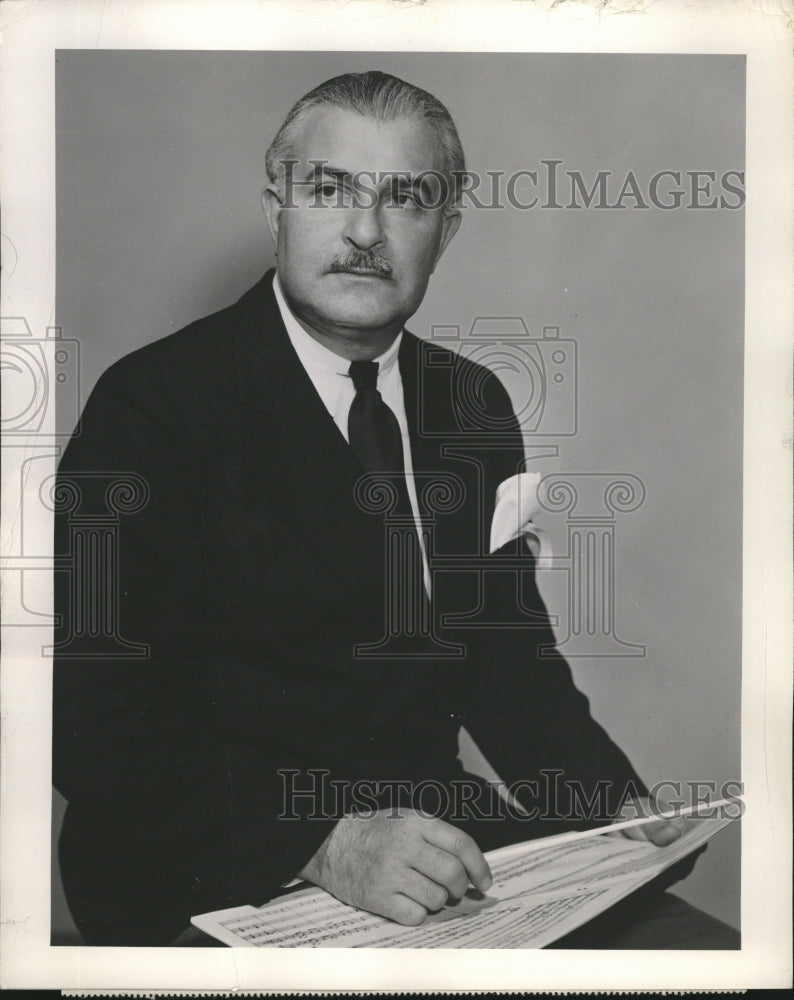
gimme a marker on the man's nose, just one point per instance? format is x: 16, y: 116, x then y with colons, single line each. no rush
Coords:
x: 364, y: 227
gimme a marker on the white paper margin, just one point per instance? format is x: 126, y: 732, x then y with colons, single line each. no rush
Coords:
x: 30, y: 33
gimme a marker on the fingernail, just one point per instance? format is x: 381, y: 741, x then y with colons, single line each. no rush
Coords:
x: 487, y: 882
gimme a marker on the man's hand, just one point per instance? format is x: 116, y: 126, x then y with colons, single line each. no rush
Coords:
x: 401, y: 867
x: 660, y: 832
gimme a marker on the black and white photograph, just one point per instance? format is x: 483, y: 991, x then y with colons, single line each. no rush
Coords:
x: 394, y: 521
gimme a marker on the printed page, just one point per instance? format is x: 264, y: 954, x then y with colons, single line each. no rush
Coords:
x: 521, y: 869
x: 313, y: 919
x: 539, y: 894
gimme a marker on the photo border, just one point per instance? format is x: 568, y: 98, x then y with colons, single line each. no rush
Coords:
x: 31, y: 34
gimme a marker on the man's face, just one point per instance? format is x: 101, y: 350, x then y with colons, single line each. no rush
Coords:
x: 356, y: 243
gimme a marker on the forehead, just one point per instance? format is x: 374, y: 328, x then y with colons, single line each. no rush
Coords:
x: 353, y: 142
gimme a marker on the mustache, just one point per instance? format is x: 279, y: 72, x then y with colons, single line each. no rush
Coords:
x: 361, y: 260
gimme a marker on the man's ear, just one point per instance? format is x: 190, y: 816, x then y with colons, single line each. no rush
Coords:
x: 449, y: 227
x: 272, y: 203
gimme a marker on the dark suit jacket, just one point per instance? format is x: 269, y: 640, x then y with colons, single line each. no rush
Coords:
x: 251, y: 573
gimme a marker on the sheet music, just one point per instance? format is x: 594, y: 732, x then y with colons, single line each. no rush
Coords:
x: 540, y: 892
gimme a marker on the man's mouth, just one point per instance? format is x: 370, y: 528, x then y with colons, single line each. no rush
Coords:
x: 360, y: 264
x: 361, y: 272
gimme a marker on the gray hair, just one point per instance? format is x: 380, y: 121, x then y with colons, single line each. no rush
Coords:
x: 374, y: 95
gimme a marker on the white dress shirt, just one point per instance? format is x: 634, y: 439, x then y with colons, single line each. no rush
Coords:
x: 329, y: 375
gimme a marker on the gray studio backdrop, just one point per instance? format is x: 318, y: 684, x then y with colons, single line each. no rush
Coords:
x: 160, y: 165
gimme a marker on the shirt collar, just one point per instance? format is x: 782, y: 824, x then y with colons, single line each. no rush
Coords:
x: 315, y: 357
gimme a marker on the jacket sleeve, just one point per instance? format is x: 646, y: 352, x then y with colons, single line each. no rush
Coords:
x: 523, y: 708
x: 147, y: 739
x: 535, y: 728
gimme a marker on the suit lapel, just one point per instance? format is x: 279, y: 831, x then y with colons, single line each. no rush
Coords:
x: 293, y: 444
x: 430, y: 412
x: 306, y: 467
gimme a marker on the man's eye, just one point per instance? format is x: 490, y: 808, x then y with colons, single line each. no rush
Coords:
x: 404, y: 199
x: 326, y: 191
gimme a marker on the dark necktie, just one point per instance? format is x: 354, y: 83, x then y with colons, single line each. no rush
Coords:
x: 375, y: 437
x: 374, y: 433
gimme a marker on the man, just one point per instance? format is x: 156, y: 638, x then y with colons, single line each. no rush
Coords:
x: 229, y: 760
